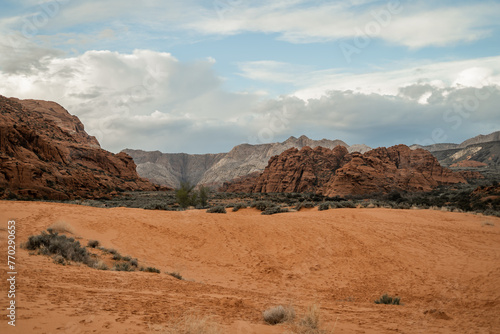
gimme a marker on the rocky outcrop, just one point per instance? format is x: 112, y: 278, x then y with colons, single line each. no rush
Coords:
x: 387, y: 169
x: 242, y: 184
x: 300, y: 171
x: 45, y: 153
x: 215, y: 169
x: 337, y: 172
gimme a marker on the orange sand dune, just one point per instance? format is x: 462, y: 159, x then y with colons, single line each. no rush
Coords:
x: 238, y: 264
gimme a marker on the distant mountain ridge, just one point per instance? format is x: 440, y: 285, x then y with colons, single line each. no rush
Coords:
x: 494, y: 136
x: 479, y: 151
x: 215, y: 169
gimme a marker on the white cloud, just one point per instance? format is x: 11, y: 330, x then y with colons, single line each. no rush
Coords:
x: 313, y: 84
x: 153, y: 101
x: 145, y: 99
x: 412, y: 25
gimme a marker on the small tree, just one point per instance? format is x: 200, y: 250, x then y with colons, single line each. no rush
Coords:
x: 203, y: 195
x: 185, y: 194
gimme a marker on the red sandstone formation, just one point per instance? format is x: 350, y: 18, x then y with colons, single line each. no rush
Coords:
x: 336, y: 172
x: 386, y: 169
x: 46, y: 153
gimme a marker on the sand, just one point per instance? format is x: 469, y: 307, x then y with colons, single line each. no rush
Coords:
x: 444, y: 266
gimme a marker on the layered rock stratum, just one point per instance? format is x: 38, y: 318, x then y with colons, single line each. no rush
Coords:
x: 214, y: 169
x: 45, y: 153
x: 333, y: 172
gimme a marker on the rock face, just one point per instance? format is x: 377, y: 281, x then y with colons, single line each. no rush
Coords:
x: 46, y: 153
x: 472, y: 156
x: 171, y: 169
x: 300, y: 171
x: 386, y: 169
x: 337, y: 172
x: 215, y: 169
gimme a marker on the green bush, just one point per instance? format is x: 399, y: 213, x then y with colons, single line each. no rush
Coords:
x: 386, y: 299
x: 323, y: 206
x: 302, y: 205
x: 217, y: 209
x: 238, y: 206
x: 203, y: 194
x: 93, y: 243
x: 176, y: 275
x: 117, y: 257
x: 54, y: 244
x: 151, y: 270
x: 185, y: 195
x: 122, y: 266
x: 261, y: 205
x: 156, y: 206
x: 273, y: 210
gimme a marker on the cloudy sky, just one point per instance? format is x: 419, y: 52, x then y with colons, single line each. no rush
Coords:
x: 203, y: 76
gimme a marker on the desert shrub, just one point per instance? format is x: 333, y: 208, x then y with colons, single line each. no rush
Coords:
x: 127, y: 258
x: 58, y: 259
x: 217, y: 209
x: 305, y: 204
x: 404, y: 206
x: 54, y: 244
x: 203, y: 194
x: 110, y: 251
x: 117, y: 257
x: 185, y: 195
x: 238, y: 206
x: 156, y: 206
x: 122, y: 266
x: 151, y: 270
x: 176, y: 275
x: 347, y: 204
x: 273, y: 210
x: 93, y: 243
x: 324, y: 206
x: 386, y: 299
x: 261, y: 205
x: 310, y: 320
x: 194, y: 324
x: 278, y: 314
x: 99, y: 265
x: 134, y: 262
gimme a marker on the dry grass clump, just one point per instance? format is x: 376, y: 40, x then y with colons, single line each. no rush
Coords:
x: 194, y: 324
x: 309, y: 323
x: 278, y: 314
x: 61, y: 227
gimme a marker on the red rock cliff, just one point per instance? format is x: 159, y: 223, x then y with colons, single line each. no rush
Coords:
x: 46, y: 153
x: 336, y: 172
x: 386, y: 169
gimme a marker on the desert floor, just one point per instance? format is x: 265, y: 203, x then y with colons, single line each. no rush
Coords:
x: 445, y: 267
